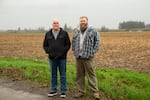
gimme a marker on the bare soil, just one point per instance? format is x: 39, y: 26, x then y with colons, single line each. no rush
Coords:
x: 130, y: 50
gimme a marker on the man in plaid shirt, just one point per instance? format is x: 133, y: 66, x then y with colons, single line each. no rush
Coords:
x: 85, y: 44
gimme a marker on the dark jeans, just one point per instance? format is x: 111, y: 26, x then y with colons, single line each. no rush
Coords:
x: 61, y: 65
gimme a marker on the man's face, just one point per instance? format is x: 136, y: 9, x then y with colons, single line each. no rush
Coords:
x: 55, y: 25
x: 83, y: 22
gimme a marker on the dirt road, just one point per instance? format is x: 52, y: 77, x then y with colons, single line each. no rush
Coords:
x: 12, y: 90
x: 11, y: 94
x: 21, y: 90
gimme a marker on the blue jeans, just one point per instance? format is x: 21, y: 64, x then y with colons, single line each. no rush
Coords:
x: 61, y: 65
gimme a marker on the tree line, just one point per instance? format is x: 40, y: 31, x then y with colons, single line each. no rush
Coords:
x: 133, y: 24
x: 128, y: 26
x: 123, y: 26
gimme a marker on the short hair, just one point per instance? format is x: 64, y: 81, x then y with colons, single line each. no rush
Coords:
x: 84, y: 17
x: 55, y: 20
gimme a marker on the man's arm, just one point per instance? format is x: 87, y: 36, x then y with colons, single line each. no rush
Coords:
x: 96, y: 41
x: 45, y: 44
x: 67, y: 43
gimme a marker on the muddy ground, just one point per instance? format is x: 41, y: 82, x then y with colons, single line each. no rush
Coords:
x: 129, y: 50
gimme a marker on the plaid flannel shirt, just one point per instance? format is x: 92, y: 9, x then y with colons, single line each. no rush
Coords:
x: 91, y: 43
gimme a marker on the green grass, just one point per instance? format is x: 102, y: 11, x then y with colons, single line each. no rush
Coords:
x: 130, y: 84
x: 117, y: 83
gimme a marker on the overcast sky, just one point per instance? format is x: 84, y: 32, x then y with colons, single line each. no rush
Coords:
x: 39, y: 13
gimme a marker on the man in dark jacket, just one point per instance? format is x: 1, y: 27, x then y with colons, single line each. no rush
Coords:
x: 56, y: 44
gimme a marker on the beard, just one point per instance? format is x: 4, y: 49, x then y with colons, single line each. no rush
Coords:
x: 83, y: 27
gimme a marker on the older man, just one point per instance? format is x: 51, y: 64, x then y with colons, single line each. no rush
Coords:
x: 85, y: 44
x: 56, y: 45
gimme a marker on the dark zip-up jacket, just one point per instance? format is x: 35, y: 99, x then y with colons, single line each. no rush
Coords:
x: 56, y: 48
